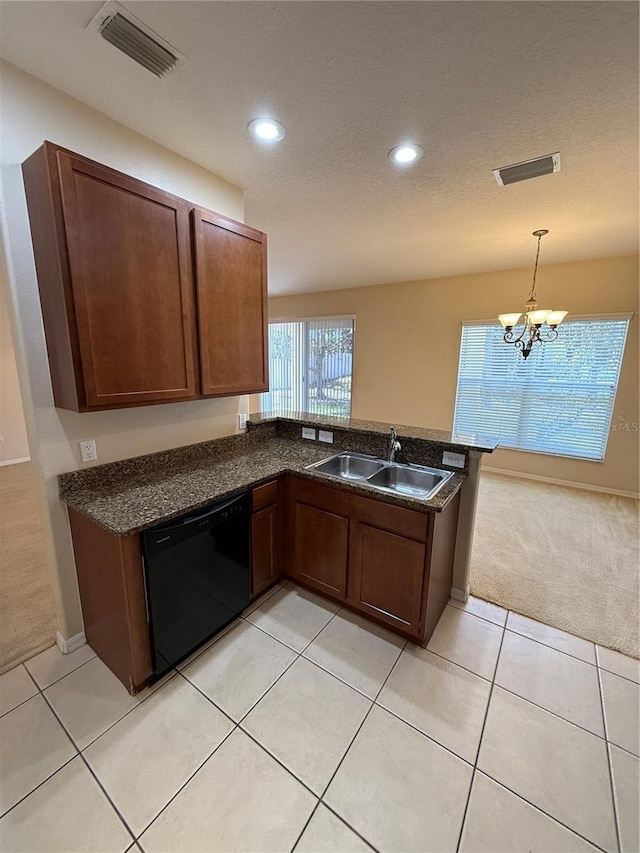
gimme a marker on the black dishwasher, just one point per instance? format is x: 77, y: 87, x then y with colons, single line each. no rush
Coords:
x: 197, y: 577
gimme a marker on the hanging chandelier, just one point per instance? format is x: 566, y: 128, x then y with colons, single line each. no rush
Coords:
x: 534, y: 317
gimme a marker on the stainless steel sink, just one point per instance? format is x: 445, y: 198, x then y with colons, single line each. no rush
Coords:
x: 349, y: 466
x: 410, y: 480
x: 416, y: 481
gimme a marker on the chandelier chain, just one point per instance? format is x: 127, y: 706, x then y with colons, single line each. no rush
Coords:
x: 535, y: 269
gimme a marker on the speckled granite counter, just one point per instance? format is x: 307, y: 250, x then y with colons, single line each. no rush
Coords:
x: 129, y: 496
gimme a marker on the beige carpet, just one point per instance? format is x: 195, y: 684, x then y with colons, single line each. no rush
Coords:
x: 27, y: 610
x: 563, y: 556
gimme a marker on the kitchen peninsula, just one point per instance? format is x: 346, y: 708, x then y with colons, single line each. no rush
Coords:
x: 391, y: 557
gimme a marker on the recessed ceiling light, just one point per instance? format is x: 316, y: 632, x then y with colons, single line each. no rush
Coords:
x: 266, y: 130
x: 404, y: 155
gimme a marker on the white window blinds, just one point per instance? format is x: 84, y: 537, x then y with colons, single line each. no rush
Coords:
x: 310, y: 366
x: 559, y: 401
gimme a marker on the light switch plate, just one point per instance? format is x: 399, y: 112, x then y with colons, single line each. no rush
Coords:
x: 325, y: 435
x: 308, y: 432
x: 454, y: 460
x: 88, y: 450
x: 242, y: 421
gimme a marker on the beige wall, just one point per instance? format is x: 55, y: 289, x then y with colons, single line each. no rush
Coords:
x: 408, y: 339
x: 14, y: 445
x: 30, y: 112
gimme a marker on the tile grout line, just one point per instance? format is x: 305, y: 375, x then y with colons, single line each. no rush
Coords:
x: 513, y: 693
x: 83, y: 759
x: 90, y: 769
x: 236, y: 725
x: 541, y: 810
x: 308, y: 821
x: 71, y: 671
x: 33, y: 678
x: 484, y: 724
x: 366, y: 716
x: 553, y: 713
x: 131, y: 710
x: 183, y: 786
x: 616, y: 820
x: 349, y: 827
x: 298, y: 655
x: 505, y: 626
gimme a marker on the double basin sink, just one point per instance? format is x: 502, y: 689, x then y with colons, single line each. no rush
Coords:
x: 414, y: 481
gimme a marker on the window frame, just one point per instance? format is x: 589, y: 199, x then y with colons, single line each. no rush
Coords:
x: 576, y: 318
x: 318, y: 318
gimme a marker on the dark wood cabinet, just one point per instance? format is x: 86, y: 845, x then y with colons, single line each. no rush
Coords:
x: 321, y: 549
x: 114, y: 270
x: 266, y: 537
x: 231, y: 287
x: 392, y: 564
x: 125, y: 321
x: 386, y: 576
x: 112, y: 592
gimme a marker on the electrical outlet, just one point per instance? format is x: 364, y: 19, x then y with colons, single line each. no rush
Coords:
x: 326, y: 436
x: 88, y: 450
x: 242, y: 421
x: 454, y: 460
x: 308, y: 432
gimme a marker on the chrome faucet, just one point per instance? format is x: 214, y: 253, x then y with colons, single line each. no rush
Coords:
x: 394, y: 445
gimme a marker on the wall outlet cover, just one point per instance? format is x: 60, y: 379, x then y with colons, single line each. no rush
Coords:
x: 242, y: 421
x: 308, y: 432
x: 88, y: 450
x: 325, y: 435
x: 454, y: 460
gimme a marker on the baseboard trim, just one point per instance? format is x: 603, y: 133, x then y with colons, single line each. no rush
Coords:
x: 71, y: 644
x: 569, y: 483
x: 460, y: 594
x: 15, y: 461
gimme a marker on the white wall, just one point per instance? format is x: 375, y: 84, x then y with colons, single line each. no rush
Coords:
x: 14, y: 445
x: 30, y: 112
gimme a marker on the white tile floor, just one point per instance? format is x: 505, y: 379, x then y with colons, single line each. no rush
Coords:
x: 306, y: 727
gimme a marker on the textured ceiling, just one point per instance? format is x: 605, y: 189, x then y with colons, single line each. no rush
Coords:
x: 477, y: 84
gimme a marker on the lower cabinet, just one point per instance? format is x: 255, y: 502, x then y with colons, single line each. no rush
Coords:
x: 112, y: 592
x: 386, y: 576
x: 266, y: 536
x: 392, y: 564
x: 321, y: 549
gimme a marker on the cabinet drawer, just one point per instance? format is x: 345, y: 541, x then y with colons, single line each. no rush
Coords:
x: 321, y: 496
x: 265, y: 495
x: 395, y: 519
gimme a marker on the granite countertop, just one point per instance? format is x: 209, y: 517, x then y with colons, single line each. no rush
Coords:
x: 130, y: 496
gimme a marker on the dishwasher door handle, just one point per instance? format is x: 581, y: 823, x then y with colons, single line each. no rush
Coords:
x: 210, y: 513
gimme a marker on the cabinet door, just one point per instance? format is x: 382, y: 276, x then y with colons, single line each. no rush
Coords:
x: 264, y: 549
x: 231, y: 286
x: 386, y: 576
x: 130, y: 270
x: 321, y: 549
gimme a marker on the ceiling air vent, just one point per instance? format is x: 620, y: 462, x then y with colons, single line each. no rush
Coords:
x: 529, y: 169
x: 134, y: 38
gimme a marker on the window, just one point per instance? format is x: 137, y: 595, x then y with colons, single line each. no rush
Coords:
x: 310, y: 364
x: 559, y: 401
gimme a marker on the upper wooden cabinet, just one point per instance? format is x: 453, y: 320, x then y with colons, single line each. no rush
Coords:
x: 231, y: 287
x: 115, y: 262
